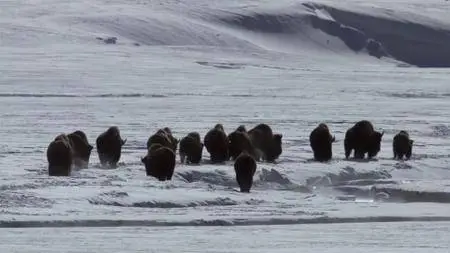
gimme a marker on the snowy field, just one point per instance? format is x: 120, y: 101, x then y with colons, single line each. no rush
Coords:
x: 366, y: 237
x: 191, y: 64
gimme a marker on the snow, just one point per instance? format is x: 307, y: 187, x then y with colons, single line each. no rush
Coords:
x: 378, y: 237
x: 191, y: 64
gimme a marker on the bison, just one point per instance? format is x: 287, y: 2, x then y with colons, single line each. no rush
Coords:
x: 321, y: 141
x: 109, y: 146
x: 362, y: 138
x: 216, y: 143
x: 268, y: 143
x: 81, y: 148
x: 159, y: 162
x: 164, y: 137
x: 402, y: 145
x: 275, y: 149
x: 173, y: 140
x: 191, y: 148
x: 239, y: 140
x: 59, y: 156
x: 245, y: 168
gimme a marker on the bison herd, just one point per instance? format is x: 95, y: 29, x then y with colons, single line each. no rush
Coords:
x: 245, y: 148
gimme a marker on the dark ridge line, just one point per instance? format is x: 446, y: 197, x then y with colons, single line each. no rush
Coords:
x: 25, y: 95
x: 213, y: 223
x: 36, y: 95
x: 138, y: 95
x: 234, y: 65
x: 165, y: 204
x: 270, y: 23
x: 414, y: 95
x: 411, y: 42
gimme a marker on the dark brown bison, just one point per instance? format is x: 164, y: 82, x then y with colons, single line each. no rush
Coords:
x: 216, y: 143
x: 241, y: 128
x: 191, y: 148
x: 109, y: 146
x: 275, y: 148
x: 321, y: 141
x: 239, y: 140
x: 159, y: 162
x: 269, y: 144
x: 59, y: 156
x: 261, y: 134
x: 363, y: 139
x: 63, y: 137
x: 81, y: 134
x: 160, y: 137
x: 245, y: 168
x: 173, y: 140
x: 164, y: 137
x: 81, y: 148
x: 402, y: 145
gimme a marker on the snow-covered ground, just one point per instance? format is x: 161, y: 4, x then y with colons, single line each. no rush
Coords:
x: 365, y: 237
x: 191, y: 64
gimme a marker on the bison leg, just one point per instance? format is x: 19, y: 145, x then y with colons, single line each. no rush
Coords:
x: 182, y: 157
x: 169, y: 176
x: 171, y: 169
x: 59, y: 170
x: 218, y: 158
x: 319, y: 155
x: 115, y: 158
x: 409, y: 153
x: 359, y: 154
x: 400, y: 152
x: 103, y: 158
x: 328, y: 154
x: 243, y: 183
x: 316, y: 156
x: 348, y: 148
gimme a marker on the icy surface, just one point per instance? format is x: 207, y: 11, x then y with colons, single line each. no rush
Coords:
x: 144, y: 65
